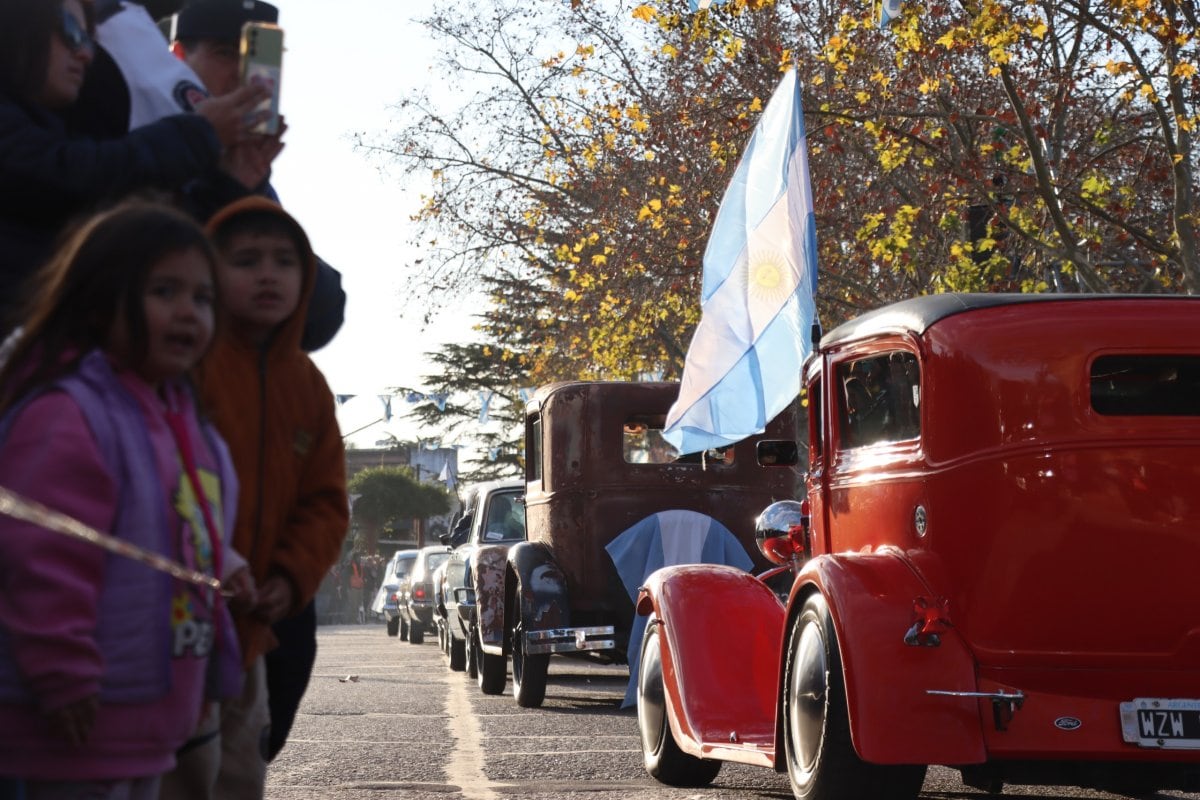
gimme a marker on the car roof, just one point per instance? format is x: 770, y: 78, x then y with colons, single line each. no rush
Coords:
x: 611, y: 391
x: 425, y: 552
x: 487, y: 487
x: 916, y: 315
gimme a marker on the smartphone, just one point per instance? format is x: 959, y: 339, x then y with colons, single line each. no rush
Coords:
x: 262, y: 62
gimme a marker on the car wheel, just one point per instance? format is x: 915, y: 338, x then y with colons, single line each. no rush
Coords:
x: 458, y: 653
x: 529, y: 672
x: 821, y: 761
x: 661, y: 755
x: 393, y: 626
x: 471, y: 645
x: 441, y: 632
x: 403, y: 629
x: 416, y: 634
x: 492, y: 671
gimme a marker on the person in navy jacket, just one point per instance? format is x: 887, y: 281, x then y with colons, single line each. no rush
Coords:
x: 52, y: 177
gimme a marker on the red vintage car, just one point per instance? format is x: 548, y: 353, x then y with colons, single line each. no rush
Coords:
x: 995, y: 564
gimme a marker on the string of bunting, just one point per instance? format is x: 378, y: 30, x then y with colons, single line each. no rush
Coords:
x: 22, y: 508
x: 439, y: 399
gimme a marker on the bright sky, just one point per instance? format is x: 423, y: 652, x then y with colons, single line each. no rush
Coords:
x: 344, y: 65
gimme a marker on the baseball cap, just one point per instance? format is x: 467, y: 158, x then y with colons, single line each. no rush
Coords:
x: 218, y: 19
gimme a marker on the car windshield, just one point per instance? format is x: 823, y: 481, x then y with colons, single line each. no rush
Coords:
x: 435, y: 560
x: 404, y: 566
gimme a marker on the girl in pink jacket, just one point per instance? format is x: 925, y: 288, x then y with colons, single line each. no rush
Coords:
x: 105, y: 662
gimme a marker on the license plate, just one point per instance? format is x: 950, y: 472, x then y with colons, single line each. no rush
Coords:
x: 1171, y: 724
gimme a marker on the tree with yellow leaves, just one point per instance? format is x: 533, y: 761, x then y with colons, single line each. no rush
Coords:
x: 984, y: 145
x: 1060, y: 132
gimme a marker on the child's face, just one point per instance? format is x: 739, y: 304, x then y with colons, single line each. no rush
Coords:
x: 178, y: 303
x: 260, y: 277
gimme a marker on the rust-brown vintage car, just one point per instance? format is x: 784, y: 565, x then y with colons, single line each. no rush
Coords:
x: 596, y: 467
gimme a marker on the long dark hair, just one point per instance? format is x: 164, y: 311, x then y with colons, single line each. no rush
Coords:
x: 96, y: 277
x: 26, y: 27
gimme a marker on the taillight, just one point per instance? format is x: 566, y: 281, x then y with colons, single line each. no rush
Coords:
x: 419, y: 593
x: 395, y: 598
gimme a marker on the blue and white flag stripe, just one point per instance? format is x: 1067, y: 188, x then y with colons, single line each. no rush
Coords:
x: 757, y: 300
x: 700, y: 5
x: 888, y: 11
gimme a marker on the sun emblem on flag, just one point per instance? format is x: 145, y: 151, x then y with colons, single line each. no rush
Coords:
x: 767, y: 276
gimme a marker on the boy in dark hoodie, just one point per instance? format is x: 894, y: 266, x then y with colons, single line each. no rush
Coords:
x: 275, y: 410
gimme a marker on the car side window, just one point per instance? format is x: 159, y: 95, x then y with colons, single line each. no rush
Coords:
x: 880, y: 399
x: 505, y: 519
x: 1144, y: 384
x: 533, y: 446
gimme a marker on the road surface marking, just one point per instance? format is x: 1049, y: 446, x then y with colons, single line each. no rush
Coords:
x: 465, y: 766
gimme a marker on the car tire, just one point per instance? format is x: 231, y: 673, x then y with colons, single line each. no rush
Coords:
x: 393, y: 626
x: 661, y: 755
x: 492, y: 670
x: 458, y: 653
x: 416, y: 634
x: 529, y: 672
x: 471, y: 648
x: 821, y: 761
x: 404, y: 629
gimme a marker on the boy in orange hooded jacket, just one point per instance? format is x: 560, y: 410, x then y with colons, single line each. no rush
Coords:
x: 275, y: 410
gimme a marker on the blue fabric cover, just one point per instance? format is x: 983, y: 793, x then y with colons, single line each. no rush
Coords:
x: 659, y: 540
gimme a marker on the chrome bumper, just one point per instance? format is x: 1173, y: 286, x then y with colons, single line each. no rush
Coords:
x: 569, y: 640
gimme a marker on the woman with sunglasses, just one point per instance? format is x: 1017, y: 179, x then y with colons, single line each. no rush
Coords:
x: 48, y: 176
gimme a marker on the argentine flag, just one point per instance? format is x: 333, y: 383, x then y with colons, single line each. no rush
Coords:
x: 760, y: 278
x: 700, y: 5
x: 888, y: 11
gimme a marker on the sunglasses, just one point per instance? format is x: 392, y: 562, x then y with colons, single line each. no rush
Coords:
x: 73, y: 34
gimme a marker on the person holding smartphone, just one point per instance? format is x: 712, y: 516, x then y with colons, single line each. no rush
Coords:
x: 135, y: 81
x: 52, y: 175
x: 206, y: 36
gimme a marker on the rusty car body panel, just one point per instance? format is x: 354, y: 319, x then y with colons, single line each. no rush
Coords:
x: 586, y: 484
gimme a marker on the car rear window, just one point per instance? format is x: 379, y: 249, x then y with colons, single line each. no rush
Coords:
x: 643, y: 443
x: 1146, y: 385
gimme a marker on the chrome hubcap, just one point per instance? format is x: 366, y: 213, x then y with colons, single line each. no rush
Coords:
x: 651, y: 698
x: 807, y: 692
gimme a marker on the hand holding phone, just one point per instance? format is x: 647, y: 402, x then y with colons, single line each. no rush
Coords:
x: 262, y: 64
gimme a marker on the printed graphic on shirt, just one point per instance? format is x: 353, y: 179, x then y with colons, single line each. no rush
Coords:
x: 191, y: 610
x: 187, y: 94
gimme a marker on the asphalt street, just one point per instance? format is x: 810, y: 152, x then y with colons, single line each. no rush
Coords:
x: 386, y: 719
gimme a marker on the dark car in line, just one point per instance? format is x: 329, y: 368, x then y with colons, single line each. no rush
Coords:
x: 415, y: 593
x: 493, y: 518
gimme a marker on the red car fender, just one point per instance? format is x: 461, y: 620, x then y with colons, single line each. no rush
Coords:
x: 893, y: 720
x: 487, y: 576
x: 720, y: 634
